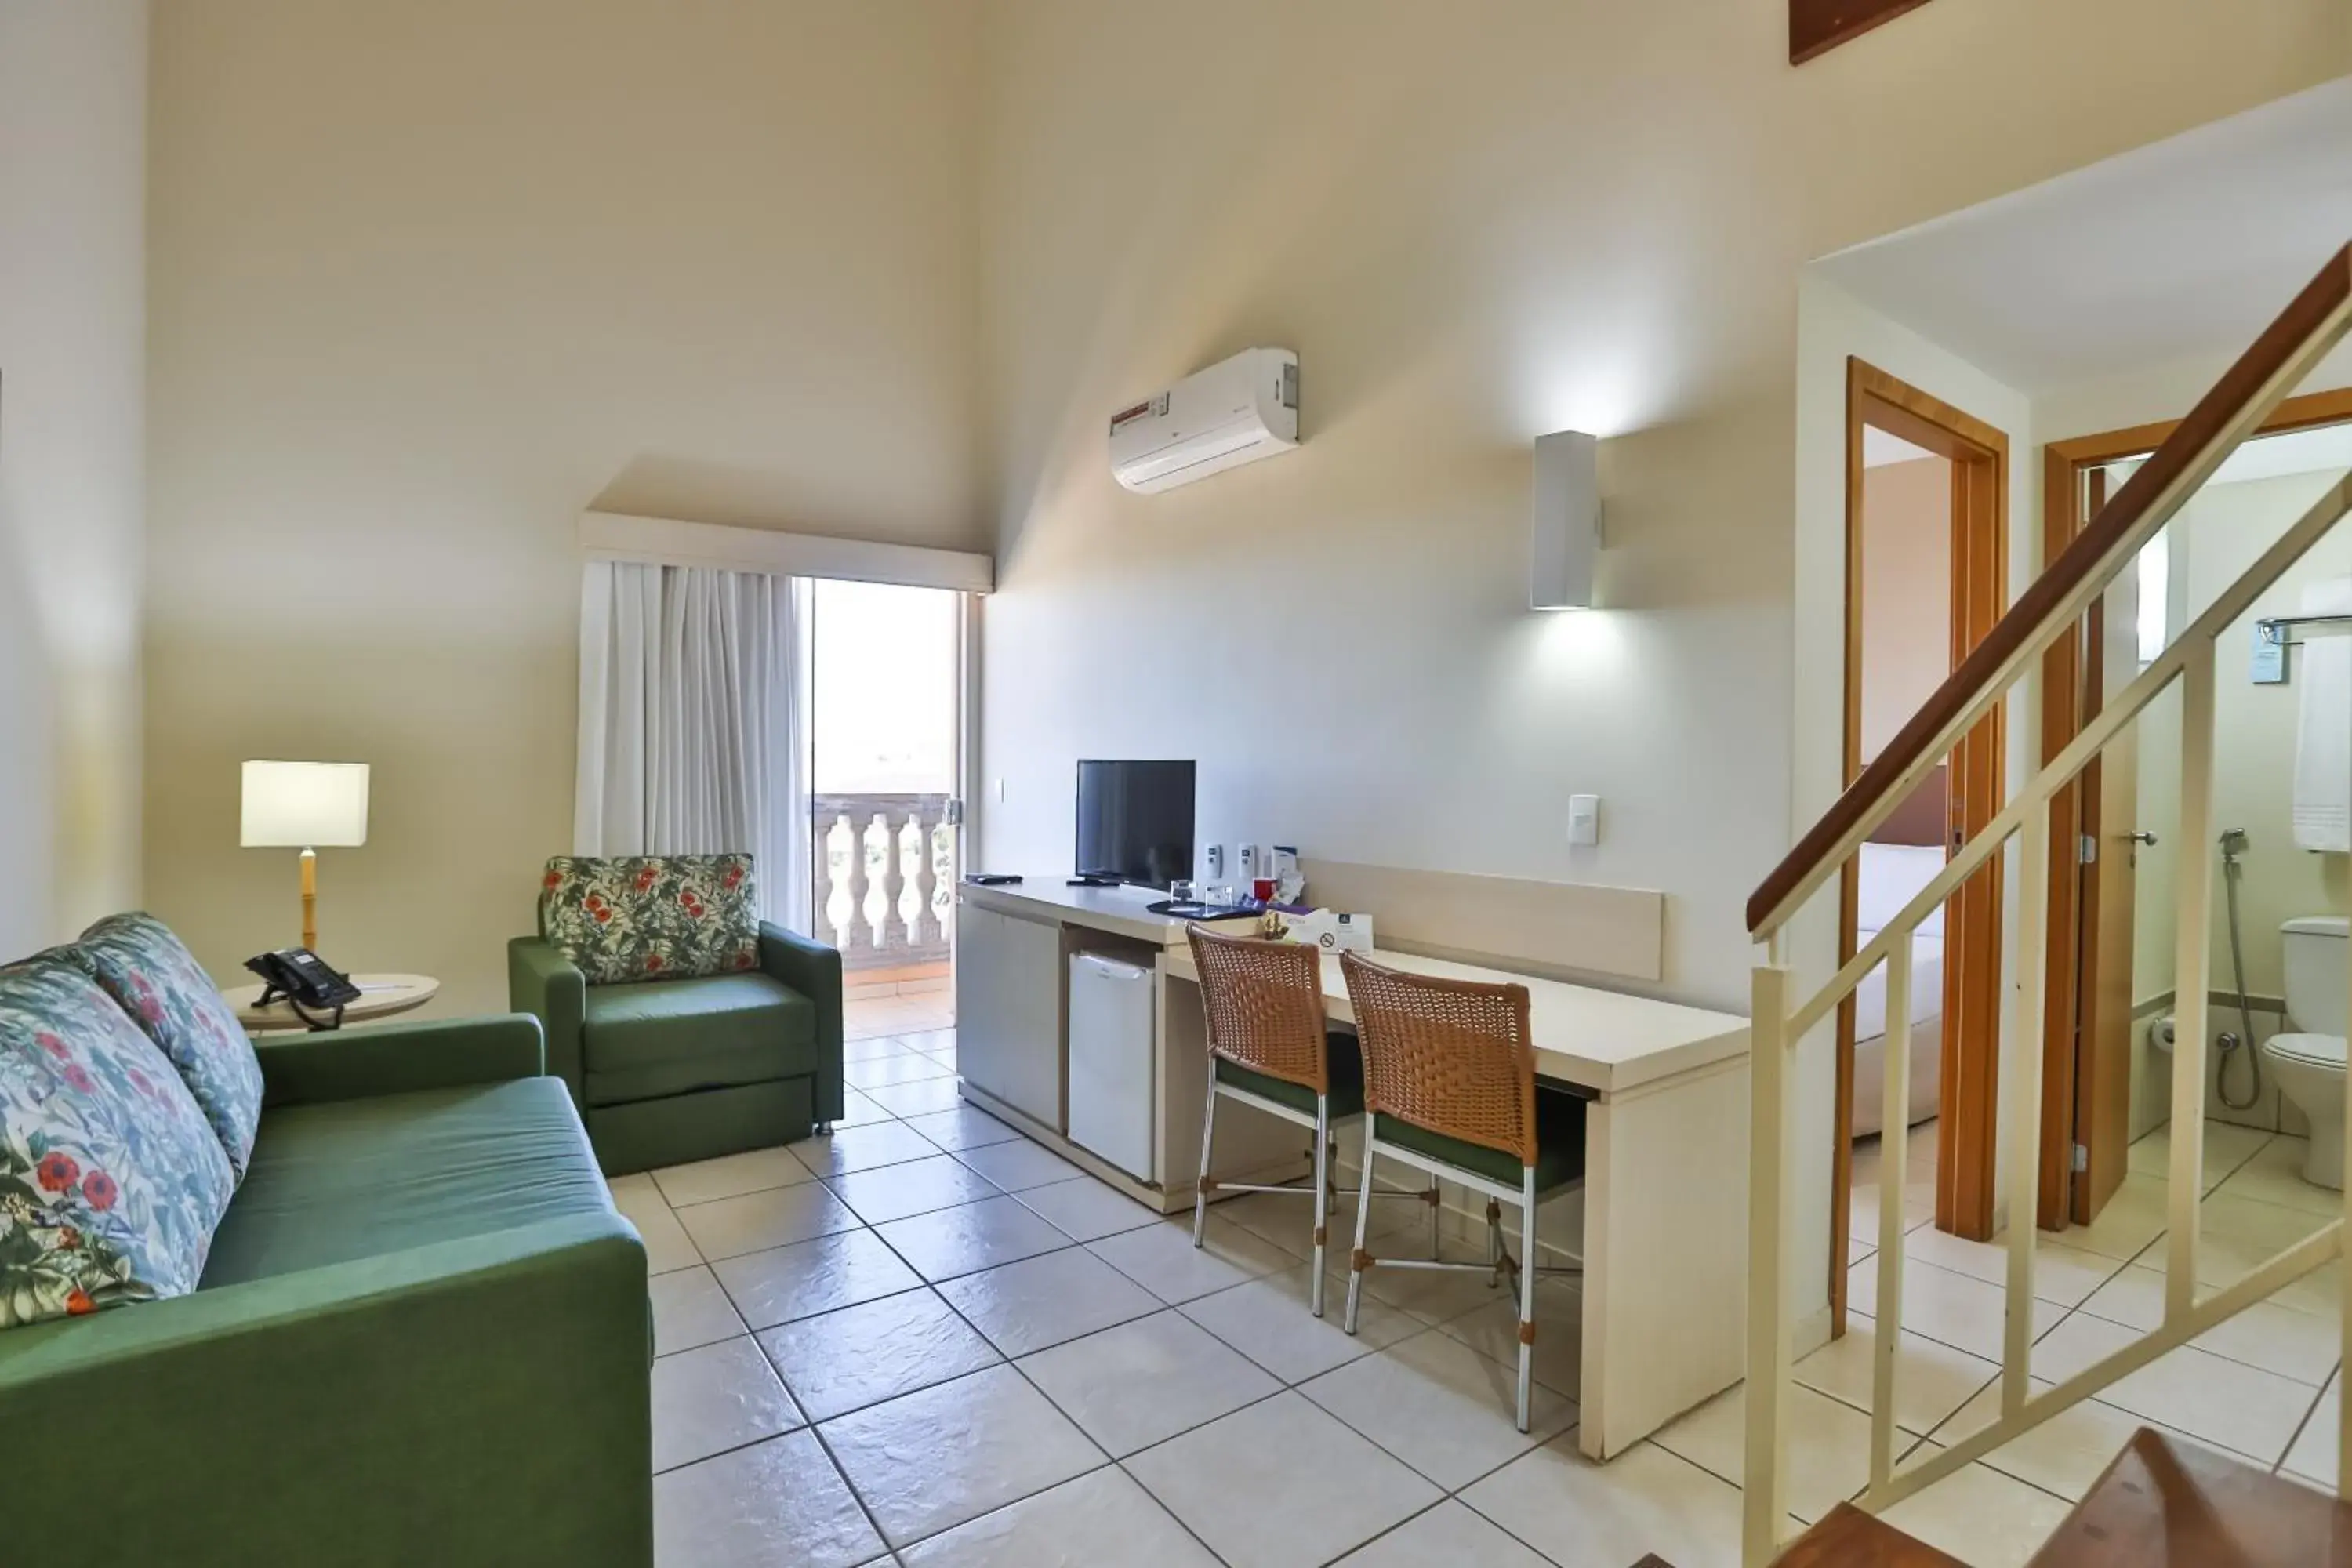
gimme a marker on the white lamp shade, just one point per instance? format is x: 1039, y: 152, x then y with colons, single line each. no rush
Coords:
x: 302, y: 805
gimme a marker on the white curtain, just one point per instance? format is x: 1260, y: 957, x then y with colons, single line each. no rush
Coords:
x: 692, y: 705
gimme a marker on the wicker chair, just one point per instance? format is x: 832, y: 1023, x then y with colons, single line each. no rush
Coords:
x: 1450, y: 1084
x: 1270, y: 1048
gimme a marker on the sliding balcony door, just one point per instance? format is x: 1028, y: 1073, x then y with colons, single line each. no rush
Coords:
x: 886, y: 680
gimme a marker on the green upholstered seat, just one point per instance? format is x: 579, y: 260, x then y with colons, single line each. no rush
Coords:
x: 1560, y: 1144
x: 1347, y: 1068
x: 421, y: 1337
x: 674, y: 1036
x: 361, y: 1178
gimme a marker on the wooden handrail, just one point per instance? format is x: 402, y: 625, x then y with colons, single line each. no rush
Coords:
x: 1991, y: 665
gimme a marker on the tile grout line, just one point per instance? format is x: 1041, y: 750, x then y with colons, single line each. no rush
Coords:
x: 2316, y: 1401
x: 933, y: 1287
x: 925, y: 1283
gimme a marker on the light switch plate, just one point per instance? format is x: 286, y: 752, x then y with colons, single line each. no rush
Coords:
x: 1584, y: 819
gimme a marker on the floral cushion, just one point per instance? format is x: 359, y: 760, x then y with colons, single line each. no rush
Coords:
x: 155, y: 979
x: 111, y: 1182
x: 650, y: 917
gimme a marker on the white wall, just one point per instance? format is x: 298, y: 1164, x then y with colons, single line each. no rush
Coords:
x: 1475, y: 227
x: 432, y: 278
x: 73, y: 111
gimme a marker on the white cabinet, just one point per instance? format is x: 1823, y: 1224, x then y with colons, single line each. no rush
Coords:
x: 1110, y: 1061
x: 1009, y: 1010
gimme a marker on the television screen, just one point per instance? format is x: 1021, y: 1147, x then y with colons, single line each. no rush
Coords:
x: 1135, y: 821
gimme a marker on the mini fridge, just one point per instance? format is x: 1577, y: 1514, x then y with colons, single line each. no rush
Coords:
x: 1110, y: 1061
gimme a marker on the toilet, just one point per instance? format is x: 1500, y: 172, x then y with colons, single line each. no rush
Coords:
x: 2309, y: 1066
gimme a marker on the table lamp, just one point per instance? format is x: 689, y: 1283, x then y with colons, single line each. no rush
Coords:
x: 290, y: 806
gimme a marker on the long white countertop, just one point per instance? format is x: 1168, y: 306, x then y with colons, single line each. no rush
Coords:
x: 1602, y: 1040
x: 1123, y: 911
x: 1597, y: 1039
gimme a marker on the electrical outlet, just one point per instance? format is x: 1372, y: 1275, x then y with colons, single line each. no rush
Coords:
x: 1216, y: 861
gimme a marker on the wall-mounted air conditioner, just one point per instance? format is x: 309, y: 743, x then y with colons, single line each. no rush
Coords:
x: 1236, y: 412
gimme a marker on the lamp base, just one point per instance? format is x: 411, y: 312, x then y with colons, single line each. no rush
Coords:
x: 311, y: 899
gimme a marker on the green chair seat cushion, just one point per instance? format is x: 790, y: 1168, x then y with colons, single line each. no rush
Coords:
x: 360, y: 1178
x: 673, y: 1037
x: 1560, y: 1144
x: 1346, y: 1066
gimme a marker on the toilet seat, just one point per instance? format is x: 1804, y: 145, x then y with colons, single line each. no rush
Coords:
x: 2318, y: 1050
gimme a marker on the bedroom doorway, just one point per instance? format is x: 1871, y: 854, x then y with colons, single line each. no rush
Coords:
x: 1926, y: 569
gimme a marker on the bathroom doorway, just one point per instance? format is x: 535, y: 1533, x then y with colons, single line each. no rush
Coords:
x: 2104, y: 1072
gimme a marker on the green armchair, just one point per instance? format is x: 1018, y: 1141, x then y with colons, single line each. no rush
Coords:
x: 667, y: 1071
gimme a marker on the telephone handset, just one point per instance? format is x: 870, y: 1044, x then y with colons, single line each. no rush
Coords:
x: 305, y: 981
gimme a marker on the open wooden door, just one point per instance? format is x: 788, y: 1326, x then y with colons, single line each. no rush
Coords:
x: 2110, y: 790
x: 1978, y: 457
x: 1967, y: 1147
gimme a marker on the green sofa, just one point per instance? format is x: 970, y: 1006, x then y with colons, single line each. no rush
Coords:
x: 668, y: 1071
x: 421, y: 1336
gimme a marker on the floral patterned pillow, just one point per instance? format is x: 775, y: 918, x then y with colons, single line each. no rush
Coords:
x: 650, y: 917
x: 111, y: 1182
x: 154, y: 977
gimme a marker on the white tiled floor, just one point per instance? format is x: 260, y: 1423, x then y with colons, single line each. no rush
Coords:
x: 2251, y: 1386
x: 927, y: 1342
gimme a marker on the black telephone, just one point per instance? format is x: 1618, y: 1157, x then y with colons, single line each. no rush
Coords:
x: 306, y: 982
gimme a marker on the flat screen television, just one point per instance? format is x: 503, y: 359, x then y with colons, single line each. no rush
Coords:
x: 1135, y: 821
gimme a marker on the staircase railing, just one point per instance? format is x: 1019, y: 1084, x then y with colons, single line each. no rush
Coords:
x: 2009, y: 657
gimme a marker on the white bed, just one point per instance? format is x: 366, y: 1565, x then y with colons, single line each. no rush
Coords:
x: 1892, y: 874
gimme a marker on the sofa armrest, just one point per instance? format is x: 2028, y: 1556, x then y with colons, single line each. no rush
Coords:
x: 397, y: 1058
x: 469, y: 1402
x: 813, y: 970
x: 544, y: 983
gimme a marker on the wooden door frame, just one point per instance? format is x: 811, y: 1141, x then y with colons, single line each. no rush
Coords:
x: 1979, y: 454
x: 2064, y: 713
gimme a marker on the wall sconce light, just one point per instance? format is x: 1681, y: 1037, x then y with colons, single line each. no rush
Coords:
x: 1565, y: 532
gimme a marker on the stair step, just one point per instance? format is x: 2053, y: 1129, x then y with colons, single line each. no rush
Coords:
x: 2163, y: 1504
x: 1848, y: 1538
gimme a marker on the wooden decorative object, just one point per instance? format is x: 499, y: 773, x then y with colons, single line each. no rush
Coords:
x: 311, y: 899
x: 1817, y: 27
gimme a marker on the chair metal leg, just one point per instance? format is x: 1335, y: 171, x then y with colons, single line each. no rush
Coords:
x: 1496, y: 1253
x: 1526, y: 1296
x: 1437, y: 1220
x: 1322, y: 1192
x: 1363, y: 1223
x: 1208, y: 1138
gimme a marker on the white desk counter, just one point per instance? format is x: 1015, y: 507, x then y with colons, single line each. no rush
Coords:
x: 1664, y: 1216
x: 1122, y: 912
x: 1585, y: 1037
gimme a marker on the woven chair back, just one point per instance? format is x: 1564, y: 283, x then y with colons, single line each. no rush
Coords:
x: 1265, y: 1003
x: 1453, y: 1056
